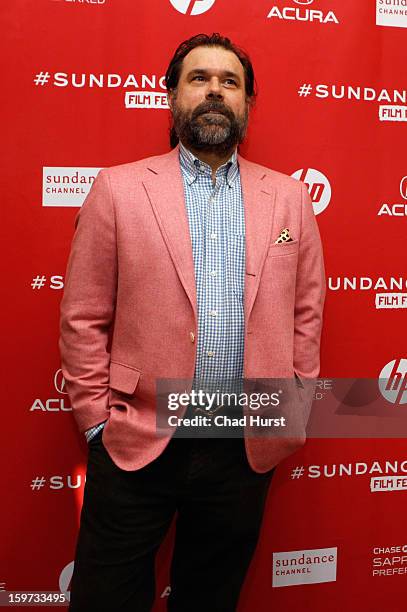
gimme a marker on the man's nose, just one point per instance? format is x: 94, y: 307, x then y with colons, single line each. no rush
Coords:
x: 214, y: 89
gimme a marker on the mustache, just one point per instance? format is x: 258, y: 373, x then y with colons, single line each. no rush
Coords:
x: 218, y: 107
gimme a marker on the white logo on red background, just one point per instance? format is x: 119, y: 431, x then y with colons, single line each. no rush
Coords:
x: 399, y: 209
x: 82, y: 1
x: 394, y: 288
x: 143, y: 92
x: 192, y: 7
x: 54, y: 404
x: 302, y: 13
x: 65, y: 578
x: 389, y: 560
x: 59, y: 382
x: 318, y: 187
x: 393, y: 381
x: 391, y: 110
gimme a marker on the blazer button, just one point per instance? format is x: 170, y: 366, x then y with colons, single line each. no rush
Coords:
x: 192, y: 336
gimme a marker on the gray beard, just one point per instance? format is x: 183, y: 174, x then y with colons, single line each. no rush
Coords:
x: 211, y: 130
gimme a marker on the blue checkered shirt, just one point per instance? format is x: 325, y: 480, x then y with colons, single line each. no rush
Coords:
x: 216, y: 223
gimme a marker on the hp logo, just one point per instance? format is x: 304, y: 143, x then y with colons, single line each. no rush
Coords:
x: 192, y: 7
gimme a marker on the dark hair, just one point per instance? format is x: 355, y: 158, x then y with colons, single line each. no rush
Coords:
x: 204, y: 40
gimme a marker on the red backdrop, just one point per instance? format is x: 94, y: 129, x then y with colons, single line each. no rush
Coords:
x: 331, y: 78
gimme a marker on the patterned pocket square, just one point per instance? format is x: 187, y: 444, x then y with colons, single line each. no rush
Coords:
x: 284, y: 236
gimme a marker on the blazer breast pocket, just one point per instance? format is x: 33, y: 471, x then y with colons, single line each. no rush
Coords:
x: 283, y: 248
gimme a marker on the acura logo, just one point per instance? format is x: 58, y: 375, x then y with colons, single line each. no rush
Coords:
x: 303, y: 1
x: 59, y: 382
x: 403, y: 187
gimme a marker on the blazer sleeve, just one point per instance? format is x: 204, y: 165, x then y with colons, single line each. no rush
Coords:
x: 88, y: 306
x: 309, y: 299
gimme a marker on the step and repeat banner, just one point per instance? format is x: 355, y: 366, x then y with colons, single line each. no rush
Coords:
x: 84, y: 90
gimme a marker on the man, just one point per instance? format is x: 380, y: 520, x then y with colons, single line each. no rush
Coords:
x: 177, y: 272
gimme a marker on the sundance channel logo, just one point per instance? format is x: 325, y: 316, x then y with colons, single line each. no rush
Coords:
x: 66, y: 186
x: 391, y: 13
x: 82, y: 2
x: 304, y: 566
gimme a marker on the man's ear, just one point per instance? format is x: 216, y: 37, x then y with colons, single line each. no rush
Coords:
x: 171, y: 98
x: 250, y: 101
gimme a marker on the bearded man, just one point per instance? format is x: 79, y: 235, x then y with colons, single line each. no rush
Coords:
x: 193, y: 265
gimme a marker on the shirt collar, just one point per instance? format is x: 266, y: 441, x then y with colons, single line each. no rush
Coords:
x: 192, y: 167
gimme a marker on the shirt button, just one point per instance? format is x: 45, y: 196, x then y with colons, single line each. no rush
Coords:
x: 213, y: 313
x: 210, y: 353
x: 213, y: 235
x: 213, y: 273
x: 192, y: 336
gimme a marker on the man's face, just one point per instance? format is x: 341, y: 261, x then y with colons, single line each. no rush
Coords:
x: 209, y: 107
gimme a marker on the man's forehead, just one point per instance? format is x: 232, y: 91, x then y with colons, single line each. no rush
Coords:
x: 212, y: 58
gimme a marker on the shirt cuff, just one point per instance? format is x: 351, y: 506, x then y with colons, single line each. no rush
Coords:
x: 91, y: 433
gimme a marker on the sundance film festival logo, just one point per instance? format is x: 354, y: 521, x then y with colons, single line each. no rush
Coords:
x: 393, y: 113
x: 396, y: 99
x: 385, y: 477
x: 350, y: 470
x: 300, y: 12
x: 57, y: 482
x: 318, y: 187
x: 146, y: 99
x: 384, y: 484
x: 304, y: 566
x: 66, y: 186
x: 192, y: 7
x: 393, y: 381
x: 393, y: 290
x: 391, y: 13
x: 148, y: 91
x: 400, y: 208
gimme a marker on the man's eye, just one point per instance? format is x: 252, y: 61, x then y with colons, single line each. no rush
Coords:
x: 230, y: 82
x: 198, y: 77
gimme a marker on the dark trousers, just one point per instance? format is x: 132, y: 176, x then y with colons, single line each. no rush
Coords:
x: 125, y: 516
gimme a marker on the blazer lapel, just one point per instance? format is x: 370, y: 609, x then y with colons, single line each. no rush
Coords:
x: 165, y: 190
x: 258, y: 199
